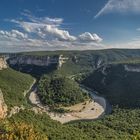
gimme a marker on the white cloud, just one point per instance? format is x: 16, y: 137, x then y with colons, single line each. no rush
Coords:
x: 43, y: 20
x: 134, y: 44
x: 45, y: 34
x: 48, y: 28
x: 88, y: 37
x: 120, y: 6
x: 58, y: 33
x: 13, y: 34
x: 16, y: 38
x: 45, y: 30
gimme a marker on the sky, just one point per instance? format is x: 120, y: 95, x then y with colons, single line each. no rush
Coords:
x: 37, y: 25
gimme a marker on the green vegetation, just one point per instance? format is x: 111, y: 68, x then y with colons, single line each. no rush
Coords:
x: 122, y: 124
x: 134, y: 61
x: 59, y: 110
x: 57, y: 90
x: 13, y: 85
x: 47, y: 127
x: 11, y: 130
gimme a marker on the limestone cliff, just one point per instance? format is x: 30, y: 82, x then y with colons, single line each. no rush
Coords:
x: 3, y: 63
x: 3, y: 106
x: 37, y: 60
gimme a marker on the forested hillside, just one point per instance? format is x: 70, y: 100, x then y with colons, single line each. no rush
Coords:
x: 13, y: 85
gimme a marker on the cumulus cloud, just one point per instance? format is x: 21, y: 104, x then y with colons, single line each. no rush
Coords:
x: 49, y: 29
x: 45, y: 30
x: 88, y: 37
x: 13, y: 34
x: 120, y: 6
x: 45, y: 33
x: 16, y: 39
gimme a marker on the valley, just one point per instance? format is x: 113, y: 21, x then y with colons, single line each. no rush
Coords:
x: 94, y: 94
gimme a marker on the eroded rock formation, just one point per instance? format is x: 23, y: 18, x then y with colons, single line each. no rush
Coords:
x: 3, y: 106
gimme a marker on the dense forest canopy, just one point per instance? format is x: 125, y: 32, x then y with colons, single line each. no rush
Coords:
x: 59, y: 90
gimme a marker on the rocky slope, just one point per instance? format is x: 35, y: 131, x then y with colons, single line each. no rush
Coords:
x: 3, y: 106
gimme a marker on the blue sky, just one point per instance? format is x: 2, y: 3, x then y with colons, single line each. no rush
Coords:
x: 27, y: 25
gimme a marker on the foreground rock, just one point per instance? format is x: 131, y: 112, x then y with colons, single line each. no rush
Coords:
x: 3, y: 106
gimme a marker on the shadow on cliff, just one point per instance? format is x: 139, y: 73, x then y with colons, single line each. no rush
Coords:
x: 35, y: 71
x: 117, y: 83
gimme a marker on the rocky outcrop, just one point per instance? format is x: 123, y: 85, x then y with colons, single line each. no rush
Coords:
x: 15, y: 110
x: 3, y: 63
x: 3, y: 107
x: 62, y: 60
x: 99, y: 62
x: 132, y: 68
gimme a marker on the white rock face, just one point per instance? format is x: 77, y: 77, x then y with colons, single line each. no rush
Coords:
x: 3, y: 107
x: 3, y: 63
x: 132, y: 68
x: 62, y: 60
x: 38, y: 60
x: 29, y: 60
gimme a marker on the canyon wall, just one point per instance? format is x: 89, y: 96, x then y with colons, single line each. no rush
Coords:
x: 37, y: 60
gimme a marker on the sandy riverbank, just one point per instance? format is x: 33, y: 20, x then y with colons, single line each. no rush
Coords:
x: 88, y: 110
